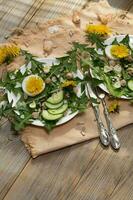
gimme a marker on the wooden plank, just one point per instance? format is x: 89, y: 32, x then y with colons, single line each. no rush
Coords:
x: 13, y: 158
x: 107, y: 171
x: 130, y: 10
x: 52, y: 9
x: 81, y: 172
x: 32, y: 11
x: 121, y: 4
x: 124, y: 190
x: 12, y: 13
x: 73, y: 174
x: 13, y: 155
x: 20, y: 13
x: 54, y: 175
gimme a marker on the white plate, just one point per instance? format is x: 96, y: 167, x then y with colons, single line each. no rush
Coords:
x: 48, y: 62
x: 119, y: 38
x: 63, y: 120
x: 109, y: 42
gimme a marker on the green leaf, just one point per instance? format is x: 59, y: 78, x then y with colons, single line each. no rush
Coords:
x: 125, y: 40
x: 49, y: 125
x: 96, y: 82
x: 115, y: 42
x: 19, y: 125
x: 113, y: 91
x: 68, y: 63
x: 95, y: 101
x: 95, y: 39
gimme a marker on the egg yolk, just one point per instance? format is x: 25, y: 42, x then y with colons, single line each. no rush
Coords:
x: 34, y: 85
x: 120, y: 51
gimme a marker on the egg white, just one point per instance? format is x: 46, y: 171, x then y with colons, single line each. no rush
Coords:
x: 131, y: 43
x: 24, y: 83
x: 108, y: 52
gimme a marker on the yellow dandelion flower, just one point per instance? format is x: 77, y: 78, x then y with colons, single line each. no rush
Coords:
x: 11, y: 50
x: 120, y: 51
x: 98, y: 29
x: 2, y: 55
x: 114, y: 106
x: 8, y: 50
x: 68, y: 83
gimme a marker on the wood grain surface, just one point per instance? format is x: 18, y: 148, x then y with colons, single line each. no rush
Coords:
x: 82, y: 172
x: 13, y: 158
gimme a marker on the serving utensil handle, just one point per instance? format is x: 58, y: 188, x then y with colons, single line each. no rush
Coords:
x: 104, y: 135
x: 114, y: 140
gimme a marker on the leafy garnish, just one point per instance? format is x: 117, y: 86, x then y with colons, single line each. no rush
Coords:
x: 117, y: 78
x: 21, y: 114
x: 125, y: 40
x: 95, y: 39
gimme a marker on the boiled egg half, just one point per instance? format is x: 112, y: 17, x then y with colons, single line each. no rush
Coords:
x: 115, y: 52
x: 33, y: 85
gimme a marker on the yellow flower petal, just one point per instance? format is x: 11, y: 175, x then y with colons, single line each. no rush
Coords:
x: 120, y: 51
x: 98, y: 29
x: 8, y: 50
x: 114, y: 106
x: 69, y: 83
x: 11, y: 50
x: 2, y: 55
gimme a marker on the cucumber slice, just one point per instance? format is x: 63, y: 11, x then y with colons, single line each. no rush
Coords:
x: 56, y: 98
x: 60, y: 110
x: 32, y: 105
x: 46, y: 115
x: 130, y: 84
x: 53, y: 106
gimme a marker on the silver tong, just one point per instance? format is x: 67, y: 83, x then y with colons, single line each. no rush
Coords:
x: 103, y: 133
x: 114, y: 140
x: 106, y: 136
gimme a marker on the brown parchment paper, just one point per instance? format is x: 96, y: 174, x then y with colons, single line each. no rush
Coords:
x: 41, y: 42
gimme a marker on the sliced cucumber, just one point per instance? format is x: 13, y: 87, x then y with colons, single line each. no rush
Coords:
x: 46, y: 115
x: 130, y: 84
x: 53, y: 106
x: 56, y: 97
x: 60, y: 110
x: 32, y: 105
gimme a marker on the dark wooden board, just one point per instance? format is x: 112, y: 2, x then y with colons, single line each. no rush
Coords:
x: 82, y: 172
x: 55, y: 175
x: 13, y: 158
x: 121, y: 4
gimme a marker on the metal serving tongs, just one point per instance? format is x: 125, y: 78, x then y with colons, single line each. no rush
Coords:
x: 114, y: 140
x: 111, y: 134
x: 103, y: 133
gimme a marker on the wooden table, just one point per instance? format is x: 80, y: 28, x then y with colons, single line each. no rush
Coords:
x: 82, y: 172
